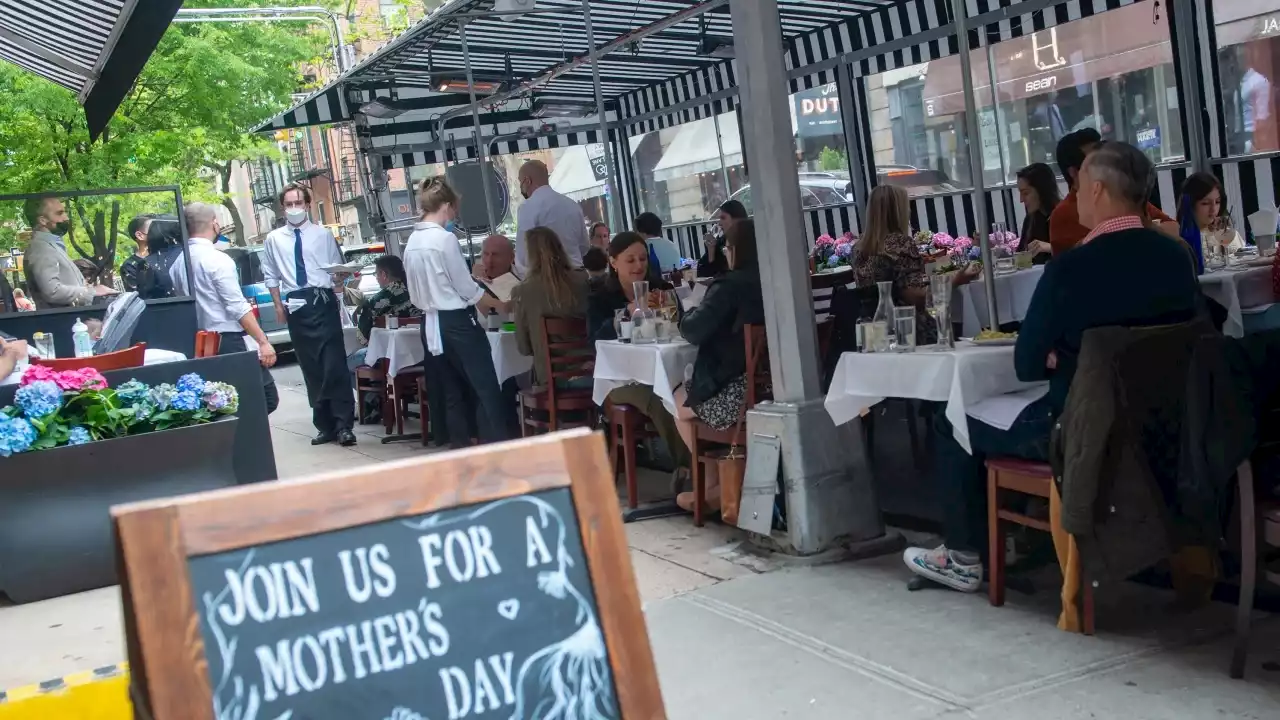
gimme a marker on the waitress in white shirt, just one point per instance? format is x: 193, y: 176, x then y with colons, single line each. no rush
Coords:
x: 459, y: 360
x: 293, y: 261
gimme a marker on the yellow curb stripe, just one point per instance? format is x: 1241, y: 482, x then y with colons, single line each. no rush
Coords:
x: 99, y: 694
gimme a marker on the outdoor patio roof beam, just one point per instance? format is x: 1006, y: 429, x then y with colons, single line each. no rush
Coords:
x: 565, y: 67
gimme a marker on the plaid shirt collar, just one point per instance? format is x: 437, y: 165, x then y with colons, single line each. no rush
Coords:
x: 1126, y: 222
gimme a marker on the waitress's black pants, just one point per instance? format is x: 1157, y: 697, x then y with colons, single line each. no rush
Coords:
x: 463, y: 383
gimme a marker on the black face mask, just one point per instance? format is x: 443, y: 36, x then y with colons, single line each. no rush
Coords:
x: 61, y: 228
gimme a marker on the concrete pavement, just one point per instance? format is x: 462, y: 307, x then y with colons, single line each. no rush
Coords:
x: 739, y: 637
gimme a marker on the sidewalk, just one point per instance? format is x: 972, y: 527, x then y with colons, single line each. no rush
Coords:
x: 741, y: 638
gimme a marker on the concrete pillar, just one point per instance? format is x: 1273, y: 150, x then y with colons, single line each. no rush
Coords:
x: 829, y: 495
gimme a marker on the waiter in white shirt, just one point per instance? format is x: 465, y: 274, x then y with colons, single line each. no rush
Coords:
x: 292, y: 263
x: 220, y: 303
x: 459, y: 358
x: 544, y: 207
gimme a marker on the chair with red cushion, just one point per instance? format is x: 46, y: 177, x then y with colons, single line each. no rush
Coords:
x: 119, y: 360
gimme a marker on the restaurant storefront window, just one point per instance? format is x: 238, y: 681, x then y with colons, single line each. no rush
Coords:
x: 1113, y: 72
x: 1248, y: 34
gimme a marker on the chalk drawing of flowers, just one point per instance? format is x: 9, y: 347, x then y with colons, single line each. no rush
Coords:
x: 232, y: 700
x: 570, y: 679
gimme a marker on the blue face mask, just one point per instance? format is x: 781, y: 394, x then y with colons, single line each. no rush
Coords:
x: 450, y: 226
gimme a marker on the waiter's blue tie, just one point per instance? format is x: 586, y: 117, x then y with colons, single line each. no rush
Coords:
x: 299, y: 266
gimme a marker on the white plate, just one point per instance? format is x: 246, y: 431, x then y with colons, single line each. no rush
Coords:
x: 996, y: 342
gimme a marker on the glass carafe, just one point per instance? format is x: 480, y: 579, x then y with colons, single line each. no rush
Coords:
x: 644, y: 320
x: 882, y: 321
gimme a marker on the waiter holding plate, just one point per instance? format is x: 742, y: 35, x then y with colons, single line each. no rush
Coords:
x: 293, y: 263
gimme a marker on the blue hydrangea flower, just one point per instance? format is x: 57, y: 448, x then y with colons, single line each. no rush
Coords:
x: 79, y: 436
x: 162, y: 396
x: 192, y: 383
x: 144, y: 410
x: 975, y: 253
x: 39, y: 399
x: 186, y: 401
x: 132, y: 392
x: 16, y: 435
x: 220, y: 397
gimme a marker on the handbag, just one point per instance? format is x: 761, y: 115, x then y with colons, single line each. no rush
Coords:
x: 732, y: 467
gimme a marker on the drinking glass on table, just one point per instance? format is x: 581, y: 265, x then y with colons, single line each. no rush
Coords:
x: 904, y: 329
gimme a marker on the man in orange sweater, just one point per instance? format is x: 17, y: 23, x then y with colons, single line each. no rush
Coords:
x: 1065, y: 230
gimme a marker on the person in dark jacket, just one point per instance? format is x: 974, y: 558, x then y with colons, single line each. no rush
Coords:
x: 133, y: 268
x: 716, y: 393
x: 164, y: 250
x: 1094, y: 285
x: 1038, y: 190
x: 713, y: 262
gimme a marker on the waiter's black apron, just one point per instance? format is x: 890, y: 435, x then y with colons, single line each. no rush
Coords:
x: 316, y: 332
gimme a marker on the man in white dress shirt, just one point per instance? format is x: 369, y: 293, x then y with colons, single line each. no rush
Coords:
x: 544, y: 207
x: 220, y: 303
x: 292, y: 263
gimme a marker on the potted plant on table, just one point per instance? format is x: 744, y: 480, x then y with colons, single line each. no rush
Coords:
x: 830, y: 253
x: 71, y: 447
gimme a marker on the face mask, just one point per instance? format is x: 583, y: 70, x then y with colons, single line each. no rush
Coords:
x: 61, y: 228
x: 450, y: 226
x: 295, y: 215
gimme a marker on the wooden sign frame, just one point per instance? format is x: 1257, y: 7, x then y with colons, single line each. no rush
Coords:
x: 155, y: 539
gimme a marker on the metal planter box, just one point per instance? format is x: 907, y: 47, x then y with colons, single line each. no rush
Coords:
x: 55, y: 528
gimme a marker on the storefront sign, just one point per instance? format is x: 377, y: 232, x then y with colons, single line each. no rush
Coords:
x: 599, y: 164
x: 1148, y: 138
x: 492, y: 582
x: 1269, y: 26
x: 818, y: 111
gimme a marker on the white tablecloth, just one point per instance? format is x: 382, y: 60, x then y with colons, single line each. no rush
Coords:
x: 1013, y: 297
x: 964, y: 378
x: 403, y: 348
x: 661, y: 366
x: 1237, y: 290
x: 151, y: 356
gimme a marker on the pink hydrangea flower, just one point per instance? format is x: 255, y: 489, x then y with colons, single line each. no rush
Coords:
x: 825, y: 239
x: 73, y: 380
x: 849, y: 238
x: 38, y: 373
x: 964, y: 242
x: 942, y: 240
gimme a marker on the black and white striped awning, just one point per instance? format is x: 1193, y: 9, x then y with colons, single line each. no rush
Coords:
x: 532, y: 44
x: 95, y: 48
x: 323, y: 107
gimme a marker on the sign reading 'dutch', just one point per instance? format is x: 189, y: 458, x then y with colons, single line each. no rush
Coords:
x: 472, y: 593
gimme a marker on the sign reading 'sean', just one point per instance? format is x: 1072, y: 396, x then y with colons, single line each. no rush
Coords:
x: 484, y: 610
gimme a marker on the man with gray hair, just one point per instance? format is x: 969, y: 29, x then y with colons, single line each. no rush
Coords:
x: 1122, y: 274
x: 221, y: 306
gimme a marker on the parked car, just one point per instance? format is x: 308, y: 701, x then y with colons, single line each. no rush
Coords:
x: 249, y: 267
x: 821, y: 188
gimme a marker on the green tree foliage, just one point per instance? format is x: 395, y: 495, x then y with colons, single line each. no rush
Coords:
x: 183, y: 123
x: 831, y: 159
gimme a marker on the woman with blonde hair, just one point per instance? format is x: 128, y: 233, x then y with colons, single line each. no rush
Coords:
x: 459, y: 358
x: 552, y: 288
x: 886, y: 252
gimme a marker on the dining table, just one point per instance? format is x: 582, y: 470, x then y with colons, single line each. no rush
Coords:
x: 1239, y: 288
x: 1013, y: 297
x: 151, y: 356
x: 661, y: 366
x: 402, y: 347
x: 973, y: 380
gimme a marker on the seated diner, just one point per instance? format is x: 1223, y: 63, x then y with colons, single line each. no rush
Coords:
x: 1202, y: 215
x: 1038, y: 190
x: 551, y: 288
x: 1091, y: 286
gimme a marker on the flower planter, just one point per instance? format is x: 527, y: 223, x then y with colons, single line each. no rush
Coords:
x: 55, y: 528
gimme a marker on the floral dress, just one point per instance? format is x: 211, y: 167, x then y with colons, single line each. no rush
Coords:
x: 900, y: 263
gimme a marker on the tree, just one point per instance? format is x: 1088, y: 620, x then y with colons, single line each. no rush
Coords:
x: 182, y: 123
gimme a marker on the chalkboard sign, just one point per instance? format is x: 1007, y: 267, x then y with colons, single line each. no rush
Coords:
x: 486, y: 583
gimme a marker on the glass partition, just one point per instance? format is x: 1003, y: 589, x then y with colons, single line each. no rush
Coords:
x: 1248, y: 33
x: 680, y: 171
x: 81, y: 249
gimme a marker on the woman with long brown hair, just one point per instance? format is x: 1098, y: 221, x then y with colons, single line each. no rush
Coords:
x: 1038, y: 190
x: 886, y: 252
x: 552, y: 288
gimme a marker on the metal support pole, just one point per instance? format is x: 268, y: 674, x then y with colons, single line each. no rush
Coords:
x: 724, y: 167
x: 1192, y: 94
x: 974, y: 142
x: 1001, y: 145
x: 852, y: 139
x: 616, y: 219
x: 475, y: 121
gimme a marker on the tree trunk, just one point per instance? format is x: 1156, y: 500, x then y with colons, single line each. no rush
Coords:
x: 229, y: 202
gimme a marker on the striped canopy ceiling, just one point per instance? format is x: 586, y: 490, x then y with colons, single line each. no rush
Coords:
x: 95, y: 48
x: 533, y: 44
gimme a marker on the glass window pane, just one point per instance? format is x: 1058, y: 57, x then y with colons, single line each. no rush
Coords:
x: 821, y: 157
x: 917, y: 139
x: 1248, y: 33
x: 679, y: 170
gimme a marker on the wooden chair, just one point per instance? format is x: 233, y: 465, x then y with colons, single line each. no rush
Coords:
x: 207, y: 342
x: 119, y: 360
x: 424, y: 412
x: 1250, y: 516
x: 373, y: 379
x: 759, y: 387
x: 402, y: 391
x: 570, y: 354
x: 627, y: 427
x: 1027, y: 478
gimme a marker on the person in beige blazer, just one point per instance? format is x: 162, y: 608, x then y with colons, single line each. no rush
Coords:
x: 53, y: 276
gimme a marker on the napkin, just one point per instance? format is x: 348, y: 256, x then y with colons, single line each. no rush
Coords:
x: 1264, y: 221
x: 692, y: 300
x: 294, y: 304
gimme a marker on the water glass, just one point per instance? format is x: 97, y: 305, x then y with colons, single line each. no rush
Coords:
x: 904, y: 329
x: 1023, y: 260
x: 940, y: 289
x: 943, y: 318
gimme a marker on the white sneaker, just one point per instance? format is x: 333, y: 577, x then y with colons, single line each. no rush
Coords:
x: 941, y: 566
